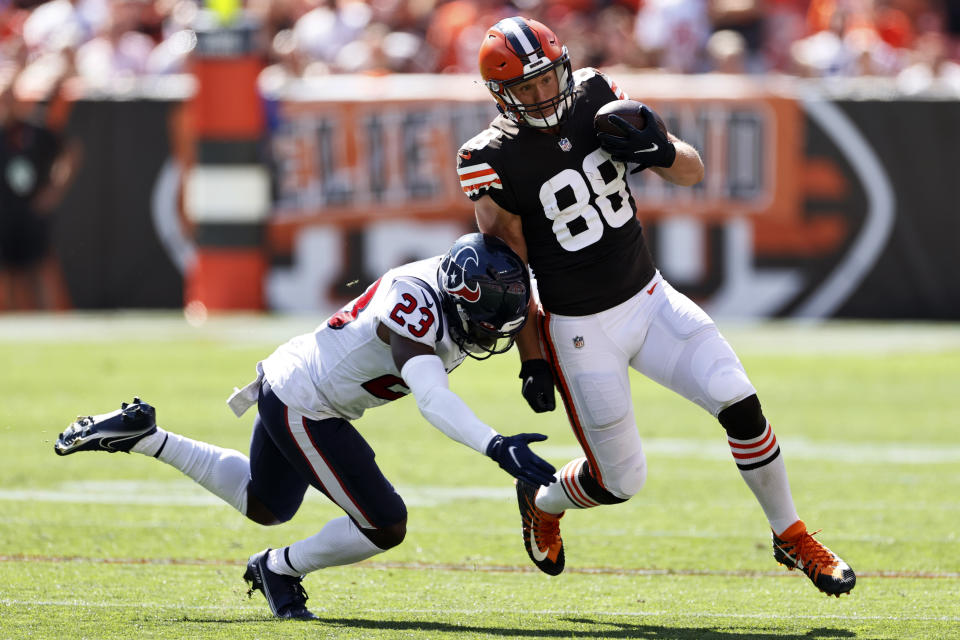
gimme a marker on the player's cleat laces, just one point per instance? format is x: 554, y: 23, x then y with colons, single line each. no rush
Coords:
x: 541, y: 531
x: 284, y: 594
x: 797, y: 549
x: 116, y: 431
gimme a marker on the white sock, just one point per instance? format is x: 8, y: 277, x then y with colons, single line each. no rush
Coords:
x: 553, y: 500
x: 768, y: 479
x: 340, y: 542
x: 566, y: 492
x: 223, y: 472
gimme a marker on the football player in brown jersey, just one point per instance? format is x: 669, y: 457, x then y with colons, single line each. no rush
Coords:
x: 543, y: 180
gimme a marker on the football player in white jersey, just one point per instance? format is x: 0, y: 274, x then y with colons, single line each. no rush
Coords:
x: 402, y: 335
x: 543, y: 179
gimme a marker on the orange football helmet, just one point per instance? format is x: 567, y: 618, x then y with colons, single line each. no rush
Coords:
x: 516, y: 50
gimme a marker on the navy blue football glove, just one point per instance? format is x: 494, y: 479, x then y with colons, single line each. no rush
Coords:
x: 537, y: 387
x: 647, y: 147
x: 514, y: 456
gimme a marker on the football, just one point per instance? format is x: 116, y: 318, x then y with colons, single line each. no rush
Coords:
x: 629, y: 110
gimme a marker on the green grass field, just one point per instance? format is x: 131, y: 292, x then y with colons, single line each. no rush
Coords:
x: 121, y: 546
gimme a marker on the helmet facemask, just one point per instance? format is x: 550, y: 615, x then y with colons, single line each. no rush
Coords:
x: 485, y: 292
x: 540, y: 115
x: 480, y: 338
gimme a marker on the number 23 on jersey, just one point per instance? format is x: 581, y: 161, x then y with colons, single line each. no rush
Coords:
x: 406, y: 306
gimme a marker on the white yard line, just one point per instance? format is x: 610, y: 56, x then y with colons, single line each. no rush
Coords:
x: 339, y: 613
x: 186, y: 493
x: 834, y: 337
x: 412, y: 497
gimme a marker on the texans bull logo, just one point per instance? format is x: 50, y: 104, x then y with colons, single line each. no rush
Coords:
x: 454, y: 282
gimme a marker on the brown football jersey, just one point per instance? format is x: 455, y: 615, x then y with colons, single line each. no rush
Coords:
x: 584, y: 242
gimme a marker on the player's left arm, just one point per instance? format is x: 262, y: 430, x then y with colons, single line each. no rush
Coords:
x: 423, y: 373
x: 653, y: 147
x: 687, y: 167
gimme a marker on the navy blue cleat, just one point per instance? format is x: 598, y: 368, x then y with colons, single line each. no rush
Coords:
x: 112, y: 432
x: 284, y: 594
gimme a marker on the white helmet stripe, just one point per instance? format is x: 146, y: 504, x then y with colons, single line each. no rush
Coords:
x: 520, y: 35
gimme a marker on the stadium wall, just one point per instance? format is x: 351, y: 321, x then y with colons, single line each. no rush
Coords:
x: 816, y: 203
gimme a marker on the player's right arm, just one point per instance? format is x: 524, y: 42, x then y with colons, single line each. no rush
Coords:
x: 497, y: 221
x: 535, y: 372
x: 423, y: 372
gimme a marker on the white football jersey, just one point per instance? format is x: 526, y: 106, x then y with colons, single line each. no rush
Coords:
x: 343, y: 368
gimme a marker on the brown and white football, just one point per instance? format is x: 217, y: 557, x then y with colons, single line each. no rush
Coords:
x: 629, y: 110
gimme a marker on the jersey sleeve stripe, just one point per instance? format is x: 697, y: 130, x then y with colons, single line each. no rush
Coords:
x: 617, y: 91
x: 478, y: 174
x: 477, y: 177
x: 474, y: 168
x: 485, y: 185
x: 480, y: 180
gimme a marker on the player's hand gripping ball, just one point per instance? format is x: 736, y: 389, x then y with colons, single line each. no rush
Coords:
x: 630, y: 131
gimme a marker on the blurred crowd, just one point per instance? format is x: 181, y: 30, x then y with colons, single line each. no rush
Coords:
x: 103, y: 40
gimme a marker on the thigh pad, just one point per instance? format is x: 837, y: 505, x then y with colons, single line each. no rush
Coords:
x: 604, y: 395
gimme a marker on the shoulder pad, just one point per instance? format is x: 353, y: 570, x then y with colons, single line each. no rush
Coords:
x: 412, y: 309
x: 477, y: 175
x: 490, y: 138
x: 598, y: 78
x: 507, y: 127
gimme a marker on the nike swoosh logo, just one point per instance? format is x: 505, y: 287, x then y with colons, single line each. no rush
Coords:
x: 428, y: 304
x: 538, y: 555
x: 650, y: 290
x: 513, y: 455
x: 653, y: 147
x: 794, y: 558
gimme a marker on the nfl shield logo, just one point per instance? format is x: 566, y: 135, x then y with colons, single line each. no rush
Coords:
x: 578, y: 342
x: 565, y: 144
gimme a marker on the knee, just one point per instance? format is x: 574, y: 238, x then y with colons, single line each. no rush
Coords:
x: 715, y: 376
x: 389, y: 536
x: 743, y: 420
x: 617, y: 482
x: 629, y: 481
x: 261, y: 514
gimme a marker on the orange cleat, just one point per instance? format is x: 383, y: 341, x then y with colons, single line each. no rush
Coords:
x: 541, y: 531
x: 796, y: 549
